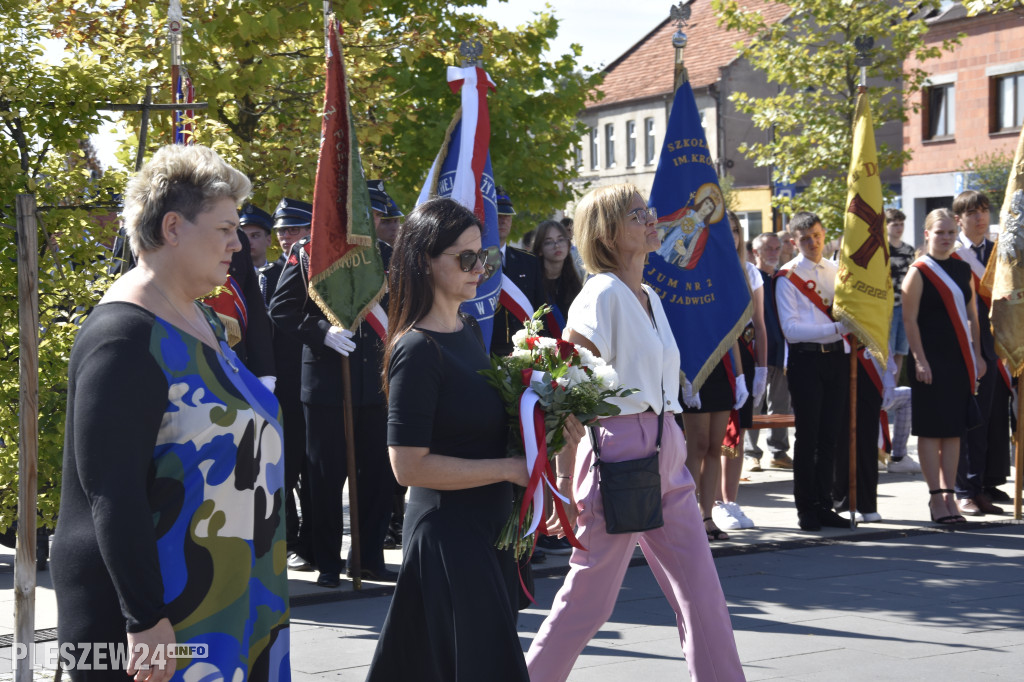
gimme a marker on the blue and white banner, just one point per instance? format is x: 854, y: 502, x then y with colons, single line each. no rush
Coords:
x: 462, y: 171
x: 696, y: 272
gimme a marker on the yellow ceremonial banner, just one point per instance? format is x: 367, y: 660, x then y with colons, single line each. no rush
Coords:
x: 864, y: 299
x: 1004, y: 276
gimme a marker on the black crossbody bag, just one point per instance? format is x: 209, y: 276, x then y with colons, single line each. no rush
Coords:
x: 630, y: 490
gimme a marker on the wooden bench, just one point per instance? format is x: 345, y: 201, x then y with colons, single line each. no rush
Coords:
x: 773, y: 421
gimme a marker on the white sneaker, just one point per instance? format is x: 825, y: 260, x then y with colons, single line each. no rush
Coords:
x: 735, y: 511
x: 872, y: 517
x: 859, y: 517
x: 723, y: 517
x: 907, y: 465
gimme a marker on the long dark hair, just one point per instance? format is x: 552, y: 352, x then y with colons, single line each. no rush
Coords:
x: 428, y: 230
x: 568, y: 281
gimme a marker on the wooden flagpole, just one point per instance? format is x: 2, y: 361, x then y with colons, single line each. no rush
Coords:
x: 355, y: 565
x: 28, y: 440
x: 1019, y: 458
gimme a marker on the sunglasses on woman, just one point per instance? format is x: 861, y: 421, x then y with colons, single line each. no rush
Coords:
x: 490, y: 258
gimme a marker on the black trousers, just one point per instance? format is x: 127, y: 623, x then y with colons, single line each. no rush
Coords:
x: 819, y: 387
x: 298, y: 517
x: 986, y: 447
x: 869, y: 406
x: 325, y: 445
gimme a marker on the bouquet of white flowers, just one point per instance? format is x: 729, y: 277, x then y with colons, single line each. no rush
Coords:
x: 542, y: 383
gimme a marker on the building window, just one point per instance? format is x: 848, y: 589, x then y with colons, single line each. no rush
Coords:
x: 630, y: 144
x: 577, y: 151
x: 648, y: 141
x: 1009, y: 102
x: 940, y: 112
x: 593, y: 149
x: 609, y: 145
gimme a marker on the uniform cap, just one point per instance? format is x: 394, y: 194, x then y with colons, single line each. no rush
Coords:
x: 504, y: 202
x: 251, y: 215
x: 293, y: 213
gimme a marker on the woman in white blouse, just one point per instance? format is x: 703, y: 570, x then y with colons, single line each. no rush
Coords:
x: 621, y: 319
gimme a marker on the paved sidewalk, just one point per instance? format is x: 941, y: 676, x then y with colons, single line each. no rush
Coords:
x: 923, y: 602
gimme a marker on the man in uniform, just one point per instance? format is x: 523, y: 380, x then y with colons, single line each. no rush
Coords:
x: 522, y: 269
x: 324, y: 344
x: 290, y: 216
x: 818, y: 370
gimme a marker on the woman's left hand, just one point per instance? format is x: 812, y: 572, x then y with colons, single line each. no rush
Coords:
x: 982, y: 367
x: 573, y: 432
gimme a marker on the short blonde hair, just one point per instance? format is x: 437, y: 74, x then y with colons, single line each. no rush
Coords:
x: 180, y: 178
x: 596, y: 224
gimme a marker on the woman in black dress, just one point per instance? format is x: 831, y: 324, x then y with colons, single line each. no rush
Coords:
x: 453, y: 615
x: 938, y: 307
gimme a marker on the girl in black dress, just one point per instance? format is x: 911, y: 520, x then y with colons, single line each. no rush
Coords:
x: 453, y: 615
x: 940, y: 375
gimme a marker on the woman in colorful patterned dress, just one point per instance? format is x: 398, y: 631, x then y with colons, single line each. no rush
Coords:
x: 172, y: 524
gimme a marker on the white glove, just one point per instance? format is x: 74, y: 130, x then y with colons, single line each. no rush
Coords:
x: 340, y: 340
x: 888, y: 398
x: 741, y: 392
x: 269, y: 382
x: 841, y: 329
x: 760, y: 385
x: 690, y: 399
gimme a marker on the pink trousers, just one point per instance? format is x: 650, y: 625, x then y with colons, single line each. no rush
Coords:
x: 677, y: 553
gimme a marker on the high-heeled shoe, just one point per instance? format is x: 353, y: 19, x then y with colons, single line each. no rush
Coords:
x: 949, y: 519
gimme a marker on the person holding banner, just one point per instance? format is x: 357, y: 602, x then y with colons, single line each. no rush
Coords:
x: 941, y: 321
x: 453, y: 614
x: 621, y: 319
x: 296, y: 313
x: 818, y: 370
x: 172, y: 502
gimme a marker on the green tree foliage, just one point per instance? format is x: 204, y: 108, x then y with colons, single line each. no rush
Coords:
x: 811, y: 57
x: 976, y: 7
x: 260, y: 66
x: 46, y: 116
x: 989, y: 173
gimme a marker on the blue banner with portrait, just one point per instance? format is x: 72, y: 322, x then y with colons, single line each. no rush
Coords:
x: 697, y: 271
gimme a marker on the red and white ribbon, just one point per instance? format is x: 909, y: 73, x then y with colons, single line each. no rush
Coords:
x: 378, y: 320
x: 514, y: 300
x: 531, y: 424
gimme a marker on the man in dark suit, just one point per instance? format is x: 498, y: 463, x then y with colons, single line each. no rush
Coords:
x: 985, y: 450
x: 525, y: 272
x: 258, y: 225
x: 323, y: 345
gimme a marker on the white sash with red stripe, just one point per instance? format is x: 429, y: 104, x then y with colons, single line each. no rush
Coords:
x: 378, y: 320
x: 956, y: 308
x: 965, y: 253
x: 514, y: 300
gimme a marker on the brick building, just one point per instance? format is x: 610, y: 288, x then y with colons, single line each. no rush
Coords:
x: 627, y: 125
x: 973, y: 106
